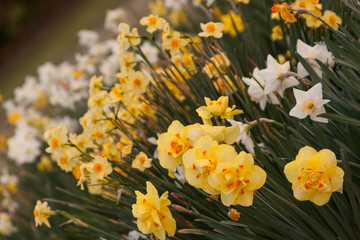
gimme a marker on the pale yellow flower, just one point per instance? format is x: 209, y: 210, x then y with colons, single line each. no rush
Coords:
x: 217, y: 107
x: 141, y: 162
x: 174, y: 42
x: 153, y: 214
x: 212, y: 29
x: 153, y: 22
x: 56, y: 138
x: 98, y: 168
x: 332, y: 19
x: 127, y: 38
x: 314, y: 175
x: 41, y: 213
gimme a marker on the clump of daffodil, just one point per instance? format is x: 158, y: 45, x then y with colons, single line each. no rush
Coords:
x: 218, y: 108
x: 285, y: 12
x: 213, y: 29
x: 141, y: 162
x: 174, y: 42
x: 314, y: 175
x: 41, y: 213
x: 127, y: 38
x: 153, y: 214
x: 236, y: 178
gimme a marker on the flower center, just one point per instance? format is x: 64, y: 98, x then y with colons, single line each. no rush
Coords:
x: 332, y: 19
x: 210, y: 27
x: 152, y: 20
x: 36, y: 213
x: 54, y: 143
x: 63, y: 160
x: 142, y: 159
x: 97, y: 167
x: 174, y: 43
x: 308, y: 106
x: 137, y: 82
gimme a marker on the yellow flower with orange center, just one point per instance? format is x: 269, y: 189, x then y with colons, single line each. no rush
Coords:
x: 314, y: 175
x: 153, y: 214
x: 217, y: 107
x: 213, y: 29
x: 174, y: 42
x: 41, y: 213
x: 56, y: 138
x: 153, y: 22
x: 141, y: 162
x: 98, y: 169
x: 332, y: 19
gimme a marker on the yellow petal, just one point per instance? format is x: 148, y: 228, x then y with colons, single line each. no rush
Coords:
x: 245, y: 199
x: 320, y: 198
x: 176, y: 127
x: 337, y: 179
x: 231, y: 134
x: 256, y: 179
x: 306, y: 155
x: 328, y: 158
x: 299, y: 194
x: 204, y: 113
x: 291, y: 171
x: 153, y: 195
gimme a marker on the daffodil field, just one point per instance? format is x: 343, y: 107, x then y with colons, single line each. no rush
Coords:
x: 206, y: 119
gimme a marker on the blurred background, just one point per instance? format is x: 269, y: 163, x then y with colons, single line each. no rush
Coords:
x: 33, y: 32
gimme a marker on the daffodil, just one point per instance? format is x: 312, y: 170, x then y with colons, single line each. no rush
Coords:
x: 232, y: 23
x: 141, y: 162
x: 127, y: 38
x: 56, y: 138
x: 236, y: 178
x: 276, y: 76
x: 212, y: 29
x: 201, y: 161
x: 314, y: 175
x: 319, y: 51
x: 285, y: 12
x: 98, y: 168
x: 276, y: 33
x: 153, y: 22
x: 256, y: 90
x: 174, y: 42
x: 41, y: 213
x: 172, y: 145
x: 244, y: 135
x: 309, y: 103
x: 153, y: 214
x: 332, y: 19
x: 217, y: 107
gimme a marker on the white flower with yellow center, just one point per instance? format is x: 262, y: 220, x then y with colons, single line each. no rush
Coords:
x: 309, y: 103
x: 41, y: 213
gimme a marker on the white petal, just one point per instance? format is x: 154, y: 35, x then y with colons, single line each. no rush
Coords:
x: 298, y: 112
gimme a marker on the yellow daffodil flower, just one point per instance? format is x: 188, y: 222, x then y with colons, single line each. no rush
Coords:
x: 172, y: 145
x: 153, y: 22
x: 141, y: 162
x: 314, y: 175
x: 153, y: 214
x: 285, y: 12
x: 217, y: 108
x: 332, y: 19
x: 41, y: 214
x: 236, y: 178
x: 212, y: 29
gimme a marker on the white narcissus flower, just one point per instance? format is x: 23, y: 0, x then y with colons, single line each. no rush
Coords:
x: 244, y: 136
x: 309, y: 103
x: 319, y: 51
x: 275, y: 76
x: 88, y: 38
x: 256, y: 90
